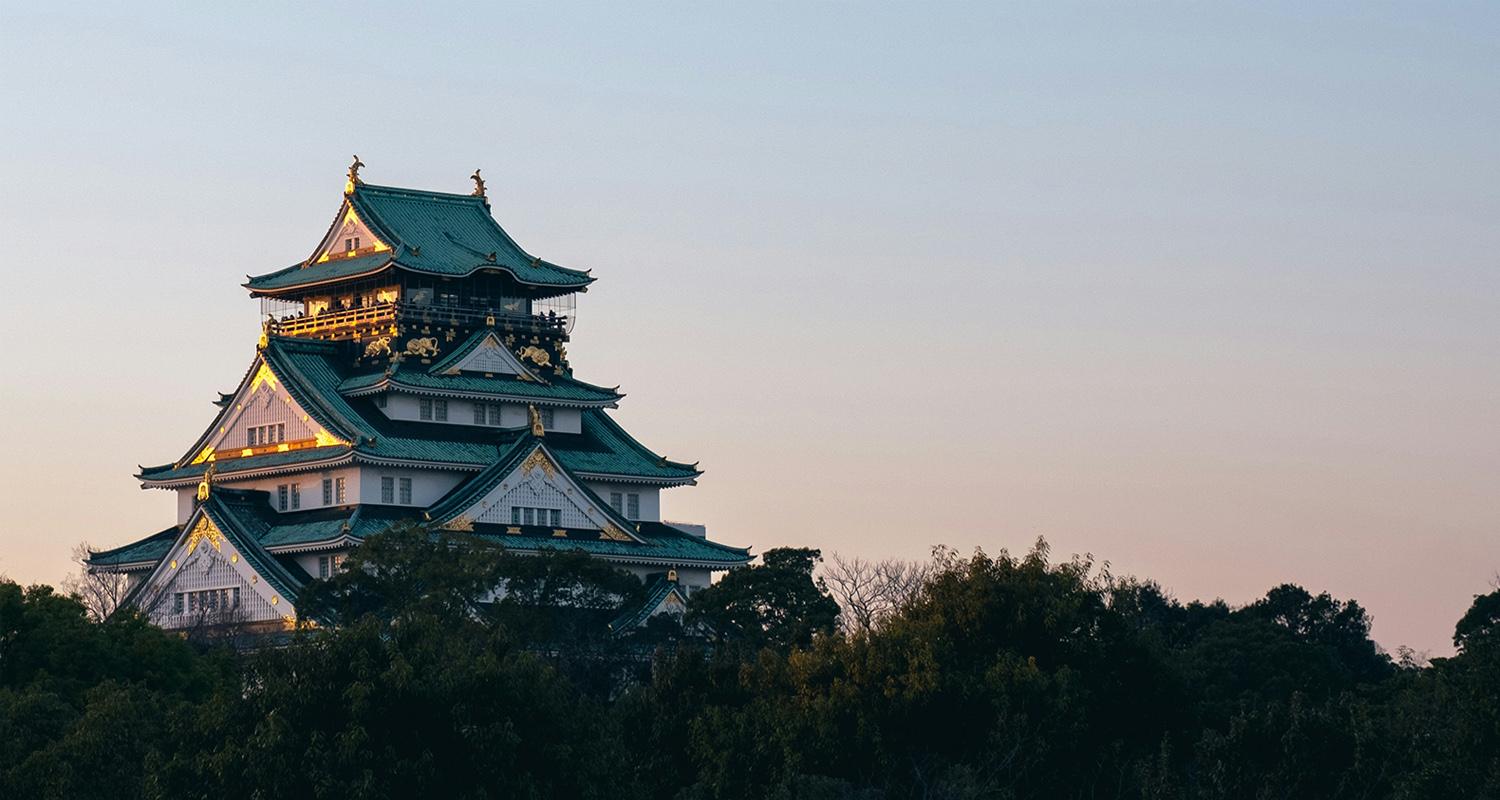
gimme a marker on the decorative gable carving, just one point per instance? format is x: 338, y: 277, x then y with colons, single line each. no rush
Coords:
x: 204, y: 580
x: 350, y: 237
x: 264, y: 410
x: 489, y: 356
x: 538, y: 483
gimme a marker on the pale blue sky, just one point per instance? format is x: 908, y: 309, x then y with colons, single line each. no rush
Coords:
x: 1207, y: 290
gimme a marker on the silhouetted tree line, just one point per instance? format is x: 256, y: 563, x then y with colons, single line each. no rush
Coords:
x: 982, y: 676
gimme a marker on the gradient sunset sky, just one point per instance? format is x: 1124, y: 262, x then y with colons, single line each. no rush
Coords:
x: 1210, y: 291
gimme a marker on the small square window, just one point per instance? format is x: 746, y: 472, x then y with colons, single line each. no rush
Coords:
x: 388, y: 490
x: 406, y: 491
x: 424, y: 409
x: 440, y: 410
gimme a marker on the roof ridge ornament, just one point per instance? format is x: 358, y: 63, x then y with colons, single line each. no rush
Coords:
x: 478, y: 185
x: 537, y: 429
x: 208, y: 481
x: 353, y: 176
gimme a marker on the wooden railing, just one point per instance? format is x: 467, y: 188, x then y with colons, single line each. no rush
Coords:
x: 344, y: 324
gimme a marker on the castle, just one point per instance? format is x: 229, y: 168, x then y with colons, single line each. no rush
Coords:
x: 414, y: 367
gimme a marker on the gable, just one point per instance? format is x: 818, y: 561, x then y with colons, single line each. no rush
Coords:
x: 538, y: 484
x: 491, y: 357
x: 262, y: 417
x: 349, y: 237
x: 205, y: 579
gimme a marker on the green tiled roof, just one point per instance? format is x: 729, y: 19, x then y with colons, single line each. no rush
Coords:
x: 244, y: 517
x: 434, y: 233
x: 305, y: 274
x: 633, y: 617
x: 152, y: 548
x: 557, y: 388
x: 661, y: 544
x: 291, y: 458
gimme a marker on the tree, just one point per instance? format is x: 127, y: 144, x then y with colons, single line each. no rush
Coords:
x: 869, y: 591
x: 776, y: 603
x: 101, y: 592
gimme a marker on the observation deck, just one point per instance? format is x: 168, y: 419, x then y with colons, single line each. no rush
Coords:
x: 354, y: 323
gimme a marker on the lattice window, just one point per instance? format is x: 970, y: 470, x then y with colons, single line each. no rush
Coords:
x: 282, y: 497
x: 479, y: 413
x: 388, y: 490
x: 338, y: 490
x: 616, y: 501
x: 632, y: 506
x: 296, y: 496
x: 440, y: 410
x: 405, y: 491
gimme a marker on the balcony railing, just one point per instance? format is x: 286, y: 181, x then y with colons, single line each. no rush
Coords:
x: 346, y: 323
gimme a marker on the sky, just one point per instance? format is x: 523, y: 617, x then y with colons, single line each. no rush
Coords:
x: 1206, y: 290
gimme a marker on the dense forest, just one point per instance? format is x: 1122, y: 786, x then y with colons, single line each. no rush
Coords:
x: 994, y: 676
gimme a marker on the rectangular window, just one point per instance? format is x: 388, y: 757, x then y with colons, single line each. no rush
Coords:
x: 177, y: 605
x: 327, y: 491
x: 387, y: 490
x: 632, y: 506
x: 296, y: 496
x: 281, y: 497
x: 547, y: 417
x: 356, y: 243
x: 494, y: 415
x: 616, y: 502
x: 556, y: 518
x: 515, y: 515
x: 406, y: 491
x: 280, y: 432
x: 380, y: 400
x: 440, y: 410
x: 249, y: 437
x: 424, y: 409
x: 323, y: 567
x: 530, y: 516
x: 479, y: 413
x: 338, y: 490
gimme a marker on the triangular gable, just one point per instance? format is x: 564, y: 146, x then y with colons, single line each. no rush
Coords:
x: 214, y: 575
x: 537, y: 482
x: 483, y: 353
x: 261, y: 416
x: 349, y: 237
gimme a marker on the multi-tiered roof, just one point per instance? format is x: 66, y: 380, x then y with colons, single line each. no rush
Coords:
x: 411, y: 297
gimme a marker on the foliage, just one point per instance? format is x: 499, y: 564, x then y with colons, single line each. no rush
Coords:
x: 996, y: 676
x: 776, y: 603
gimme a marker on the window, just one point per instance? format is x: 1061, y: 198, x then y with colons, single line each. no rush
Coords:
x: 250, y: 436
x: 615, y: 502
x: 296, y: 496
x: 479, y: 413
x: 528, y: 516
x: 205, y: 601
x: 380, y: 400
x: 323, y: 567
x: 424, y: 409
x: 515, y: 515
x: 327, y: 491
x: 280, y: 432
x: 406, y: 491
x: 281, y: 497
x: 632, y: 506
x: 440, y: 410
x: 556, y: 517
x: 338, y: 490
x: 494, y: 415
x: 547, y: 418
x: 387, y: 490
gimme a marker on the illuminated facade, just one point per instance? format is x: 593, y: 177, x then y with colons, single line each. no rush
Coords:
x: 414, y: 367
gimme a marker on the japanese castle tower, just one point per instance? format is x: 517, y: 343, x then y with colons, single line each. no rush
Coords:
x: 414, y: 367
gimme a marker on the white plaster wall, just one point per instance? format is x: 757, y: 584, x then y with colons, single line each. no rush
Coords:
x: 309, y: 561
x: 690, y: 578
x: 427, y: 486
x: 400, y: 405
x: 650, y: 498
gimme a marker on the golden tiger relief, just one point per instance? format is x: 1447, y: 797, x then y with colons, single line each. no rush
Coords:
x: 422, y: 347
